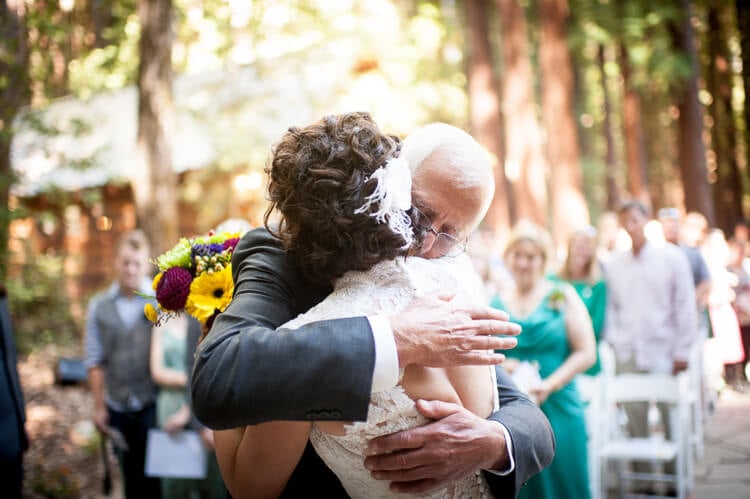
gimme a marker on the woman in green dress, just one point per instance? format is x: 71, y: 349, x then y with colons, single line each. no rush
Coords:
x: 169, y: 351
x: 557, y: 336
x: 583, y: 271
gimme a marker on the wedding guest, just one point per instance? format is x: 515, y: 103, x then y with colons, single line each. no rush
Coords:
x: 557, y: 335
x: 582, y: 270
x: 688, y: 238
x: 739, y: 267
x: 170, y: 342
x: 726, y: 341
x: 651, y: 314
x: 118, y: 344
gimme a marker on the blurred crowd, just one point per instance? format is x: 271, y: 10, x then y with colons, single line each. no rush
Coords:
x: 656, y: 289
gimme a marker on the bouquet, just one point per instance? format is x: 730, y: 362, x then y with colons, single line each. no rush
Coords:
x: 194, y: 276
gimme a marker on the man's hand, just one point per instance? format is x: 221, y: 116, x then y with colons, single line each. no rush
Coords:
x: 101, y: 418
x: 439, y: 330
x: 431, y: 456
x: 678, y: 366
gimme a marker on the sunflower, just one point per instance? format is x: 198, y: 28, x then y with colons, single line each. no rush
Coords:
x: 209, y: 293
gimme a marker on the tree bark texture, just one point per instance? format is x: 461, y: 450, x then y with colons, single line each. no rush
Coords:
x: 526, y: 165
x: 610, y: 158
x: 154, y: 180
x: 727, y: 187
x: 569, y: 207
x: 692, y: 151
x: 636, y: 157
x: 484, y: 111
x: 743, y: 28
x: 14, y: 94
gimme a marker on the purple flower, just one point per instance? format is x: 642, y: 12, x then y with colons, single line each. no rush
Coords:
x: 231, y: 243
x: 173, y: 288
x: 207, y: 249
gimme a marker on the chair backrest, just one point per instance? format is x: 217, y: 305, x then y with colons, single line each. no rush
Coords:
x: 636, y: 387
x: 606, y: 359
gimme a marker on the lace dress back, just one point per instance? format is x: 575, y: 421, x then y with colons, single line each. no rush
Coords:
x: 385, y: 289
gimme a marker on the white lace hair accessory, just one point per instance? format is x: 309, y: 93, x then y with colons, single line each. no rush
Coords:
x: 392, y: 198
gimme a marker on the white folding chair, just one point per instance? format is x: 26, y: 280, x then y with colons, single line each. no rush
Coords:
x: 650, y: 388
x: 697, y: 398
x: 590, y: 388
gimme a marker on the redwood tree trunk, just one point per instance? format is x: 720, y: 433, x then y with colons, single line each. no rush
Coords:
x: 635, y: 144
x: 728, y: 183
x: 526, y: 165
x: 692, y: 151
x: 14, y: 94
x: 743, y: 28
x: 610, y: 158
x: 569, y: 205
x: 484, y: 111
x: 155, y: 182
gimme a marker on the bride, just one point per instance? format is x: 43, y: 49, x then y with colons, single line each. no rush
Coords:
x: 343, y: 192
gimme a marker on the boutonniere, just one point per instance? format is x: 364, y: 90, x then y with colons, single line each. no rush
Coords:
x: 556, y: 299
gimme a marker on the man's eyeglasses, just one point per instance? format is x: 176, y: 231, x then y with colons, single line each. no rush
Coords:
x: 444, y: 244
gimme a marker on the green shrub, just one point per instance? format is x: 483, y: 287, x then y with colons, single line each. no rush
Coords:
x: 39, y: 305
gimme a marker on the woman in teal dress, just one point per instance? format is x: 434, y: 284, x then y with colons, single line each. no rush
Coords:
x: 169, y: 344
x: 557, y: 336
x: 582, y: 270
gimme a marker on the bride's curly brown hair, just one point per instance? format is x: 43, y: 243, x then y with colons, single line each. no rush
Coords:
x: 317, y: 179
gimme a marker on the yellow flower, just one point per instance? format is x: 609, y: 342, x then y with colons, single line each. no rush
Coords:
x: 210, y: 292
x: 156, y: 280
x: 150, y: 312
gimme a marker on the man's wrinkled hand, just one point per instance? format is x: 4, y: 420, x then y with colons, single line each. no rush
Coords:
x: 101, y: 419
x: 440, y: 330
x: 427, y: 457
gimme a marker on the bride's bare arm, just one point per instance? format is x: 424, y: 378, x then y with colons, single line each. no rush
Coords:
x: 257, y: 461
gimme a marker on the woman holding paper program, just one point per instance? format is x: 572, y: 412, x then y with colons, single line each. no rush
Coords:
x: 169, y: 350
x: 558, y: 336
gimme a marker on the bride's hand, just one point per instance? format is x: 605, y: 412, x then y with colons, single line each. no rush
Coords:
x: 437, y: 330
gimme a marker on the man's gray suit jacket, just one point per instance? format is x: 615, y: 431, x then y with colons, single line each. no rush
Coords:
x: 247, y: 371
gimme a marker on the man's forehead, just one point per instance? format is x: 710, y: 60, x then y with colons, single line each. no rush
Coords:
x: 423, y: 206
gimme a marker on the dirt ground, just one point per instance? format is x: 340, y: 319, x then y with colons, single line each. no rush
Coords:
x: 64, y: 458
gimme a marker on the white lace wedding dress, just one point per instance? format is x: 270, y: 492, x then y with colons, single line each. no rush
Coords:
x: 385, y: 289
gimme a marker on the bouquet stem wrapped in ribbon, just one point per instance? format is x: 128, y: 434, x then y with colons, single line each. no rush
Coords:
x: 194, y: 276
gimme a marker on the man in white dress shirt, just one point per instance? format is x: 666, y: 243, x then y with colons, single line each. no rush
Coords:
x: 651, y: 313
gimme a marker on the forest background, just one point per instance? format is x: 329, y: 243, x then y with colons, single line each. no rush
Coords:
x: 582, y: 103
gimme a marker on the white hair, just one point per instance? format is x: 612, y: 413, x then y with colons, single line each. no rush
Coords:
x: 470, y: 162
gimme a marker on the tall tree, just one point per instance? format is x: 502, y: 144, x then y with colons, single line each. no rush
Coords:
x: 524, y: 156
x: 692, y: 151
x: 484, y: 110
x: 610, y: 157
x: 569, y: 205
x: 743, y: 25
x: 728, y: 182
x: 14, y: 94
x: 635, y: 144
x: 154, y: 181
